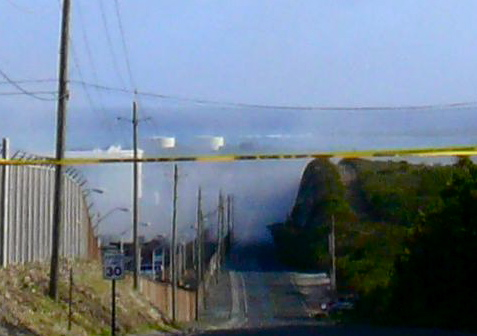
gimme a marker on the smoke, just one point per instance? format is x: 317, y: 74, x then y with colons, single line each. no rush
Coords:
x: 264, y: 191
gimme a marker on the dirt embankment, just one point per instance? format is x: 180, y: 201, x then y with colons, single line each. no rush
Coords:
x: 25, y: 309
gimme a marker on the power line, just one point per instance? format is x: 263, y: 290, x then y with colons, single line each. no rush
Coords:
x: 31, y: 81
x: 103, y: 87
x: 110, y: 43
x: 93, y: 68
x: 29, y: 93
x: 127, y: 57
x: 86, y: 43
x: 27, y: 10
x: 125, y: 46
x: 22, y: 90
x: 456, y: 105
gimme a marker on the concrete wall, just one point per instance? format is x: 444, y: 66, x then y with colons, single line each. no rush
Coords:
x: 160, y: 295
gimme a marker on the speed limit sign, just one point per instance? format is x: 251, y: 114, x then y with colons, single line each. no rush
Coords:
x: 113, y: 267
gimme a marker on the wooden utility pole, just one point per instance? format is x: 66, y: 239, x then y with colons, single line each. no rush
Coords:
x: 219, y: 233
x: 229, y: 221
x: 135, y: 197
x: 60, y: 149
x: 333, y: 254
x: 136, y: 256
x: 232, y: 225
x: 4, y: 193
x: 173, y: 256
x: 198, y: 253
x: 222, y: 209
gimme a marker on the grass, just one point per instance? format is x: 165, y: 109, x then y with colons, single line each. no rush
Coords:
x: 25, y: 305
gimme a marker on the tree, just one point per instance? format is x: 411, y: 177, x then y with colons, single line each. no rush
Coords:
x: 436, y: 277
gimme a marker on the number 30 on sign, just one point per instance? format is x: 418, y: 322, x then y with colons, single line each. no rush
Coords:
x: 113, y: 267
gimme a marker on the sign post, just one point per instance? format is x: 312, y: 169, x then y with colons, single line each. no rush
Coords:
x: 113, y: 307
x: 113, y: 269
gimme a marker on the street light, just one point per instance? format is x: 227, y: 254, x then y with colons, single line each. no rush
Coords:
x: 122, y: 234
x: 110, y: 212
x: 88, y: 192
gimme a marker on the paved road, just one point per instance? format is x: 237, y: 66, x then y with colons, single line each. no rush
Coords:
x: 268, y: 299
x: 262, y: 293
x: 332, y: 331
x: 256, y: 295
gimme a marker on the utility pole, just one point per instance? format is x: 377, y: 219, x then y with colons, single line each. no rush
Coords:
x: 173, y: 246
x: 4, y: 192
x: 60, y: 149
x: 135, y: 197
x: 136, y: 257
x: 228, y: 220
x: 198, y: 253
x: 232, y: 225
x: 219, y: 233
x: 222, y: 225
x: 333, y: 254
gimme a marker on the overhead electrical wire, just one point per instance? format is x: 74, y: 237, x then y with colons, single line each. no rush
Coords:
x: 28, y: 10
x: 124, y: 44
x: 94, y: 71
x: 29, y: 93
x: 127, y: 57
x: 86, y: 43
x: 456, y: 105
x: 31, y: 81
x: 110, y: 43
x: 23, y: 91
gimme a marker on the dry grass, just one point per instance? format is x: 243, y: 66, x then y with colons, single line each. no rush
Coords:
x: 25, y: 306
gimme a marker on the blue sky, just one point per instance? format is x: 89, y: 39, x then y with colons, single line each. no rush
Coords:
x: 325, y: 53
x: 278, y: 52
x: 272, y: 52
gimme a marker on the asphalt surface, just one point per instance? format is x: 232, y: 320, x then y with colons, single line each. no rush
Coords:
x: 256, y: 295
x: 255, y: 291
x: 332, y: 331
x: 265, y: 298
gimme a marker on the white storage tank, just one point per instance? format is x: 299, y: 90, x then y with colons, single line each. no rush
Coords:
x: 217, y: 142
x: 166, y: 142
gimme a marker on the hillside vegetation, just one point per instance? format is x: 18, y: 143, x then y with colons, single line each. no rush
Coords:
x: 405, y: 237
x: 25, y: 309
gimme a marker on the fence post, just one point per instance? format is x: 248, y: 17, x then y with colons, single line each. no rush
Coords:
x: 4, y: 205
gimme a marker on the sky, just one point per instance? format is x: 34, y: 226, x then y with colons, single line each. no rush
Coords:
x: 299, y: 53
x: 270, y: 52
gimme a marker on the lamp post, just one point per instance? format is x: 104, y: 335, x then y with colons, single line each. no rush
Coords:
x: 89, y: 191
x: 109, y: 213
x: 122, y: 234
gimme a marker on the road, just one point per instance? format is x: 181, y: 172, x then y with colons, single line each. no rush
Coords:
x: 268, y: 299
x: 255, y: 291
x: 268, y: 294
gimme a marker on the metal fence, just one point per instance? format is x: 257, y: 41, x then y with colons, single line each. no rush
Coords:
x: 26, y: 213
